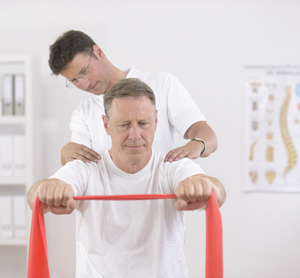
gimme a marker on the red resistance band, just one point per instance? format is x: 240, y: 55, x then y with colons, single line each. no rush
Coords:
x: 38, y: 266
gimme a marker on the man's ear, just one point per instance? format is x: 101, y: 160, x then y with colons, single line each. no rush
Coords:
x: 98, y: 51
x: 105, y: 123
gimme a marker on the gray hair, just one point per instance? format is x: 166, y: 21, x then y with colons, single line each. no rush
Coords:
x: 128, y: 87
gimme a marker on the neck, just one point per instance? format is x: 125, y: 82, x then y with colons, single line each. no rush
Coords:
x: 129, y: 165
x: 116, y: 74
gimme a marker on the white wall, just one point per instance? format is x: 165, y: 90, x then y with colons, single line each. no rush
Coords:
x: 205, y: 44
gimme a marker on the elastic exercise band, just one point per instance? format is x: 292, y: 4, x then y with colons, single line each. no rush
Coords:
x: 38, y: 266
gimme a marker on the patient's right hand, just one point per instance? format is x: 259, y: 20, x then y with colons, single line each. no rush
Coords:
x: 56, y: 196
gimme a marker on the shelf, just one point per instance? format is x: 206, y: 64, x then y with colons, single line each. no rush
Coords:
x: 13, y: 242
x: 8, y: 120
x: 12, y: 181
x: 28, y: 125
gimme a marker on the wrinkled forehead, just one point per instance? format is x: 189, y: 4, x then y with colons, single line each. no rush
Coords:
x: 129, y: 106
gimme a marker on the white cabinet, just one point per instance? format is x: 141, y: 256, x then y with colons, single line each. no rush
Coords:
x: 22, y: 151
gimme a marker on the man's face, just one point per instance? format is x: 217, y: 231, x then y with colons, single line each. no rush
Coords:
x: 132, y: 124
x: 97, y: 80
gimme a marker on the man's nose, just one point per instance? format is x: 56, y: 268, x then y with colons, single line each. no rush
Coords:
x: 134, y: 133
x: 83, y: 83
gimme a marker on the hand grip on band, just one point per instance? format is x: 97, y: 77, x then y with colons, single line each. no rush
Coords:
x: 38, y: 266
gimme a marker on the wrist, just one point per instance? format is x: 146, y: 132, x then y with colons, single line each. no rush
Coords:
x: 200, y: 141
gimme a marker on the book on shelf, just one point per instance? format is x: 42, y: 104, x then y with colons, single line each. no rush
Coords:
x: 13, y: 95
x: 19, y: 216
x: 6, y: 223
x: 6, y: 156
x: 19, y: 95
x: 8, y: 95
x: 18, y: 156
x: 12, y: 156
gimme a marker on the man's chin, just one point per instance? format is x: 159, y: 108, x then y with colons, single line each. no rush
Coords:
x: 97, y: 93
x: 135, y: 152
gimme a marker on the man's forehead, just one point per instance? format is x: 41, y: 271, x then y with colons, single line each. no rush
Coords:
x: 132, y: 105
x: 125, y: 101
x: 75, y: 66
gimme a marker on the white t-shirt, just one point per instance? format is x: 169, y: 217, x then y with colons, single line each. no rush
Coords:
x: 176, y: 112
x: 128, y: 239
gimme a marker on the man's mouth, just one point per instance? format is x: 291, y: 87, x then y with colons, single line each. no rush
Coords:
x: 93, y: 87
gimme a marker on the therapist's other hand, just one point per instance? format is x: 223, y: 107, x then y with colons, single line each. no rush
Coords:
x: 72, y: 151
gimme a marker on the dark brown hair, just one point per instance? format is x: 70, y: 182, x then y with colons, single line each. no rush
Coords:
x: 66, y: 47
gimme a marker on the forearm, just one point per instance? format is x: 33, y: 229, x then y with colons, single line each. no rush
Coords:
x: 203, y: 131
x: 62, y: 159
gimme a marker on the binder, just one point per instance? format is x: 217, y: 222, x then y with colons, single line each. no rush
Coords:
x: 8, y: 95
x: 6, y: 227
x: 1, y: 105
x: 19, y: 216
x: 18, y: 163
x: 6, y: 156
x: 19, y: 94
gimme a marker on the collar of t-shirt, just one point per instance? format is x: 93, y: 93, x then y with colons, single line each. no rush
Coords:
x: 109, y: 162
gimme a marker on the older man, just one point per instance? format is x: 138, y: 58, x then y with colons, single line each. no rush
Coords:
x: 134, y: 238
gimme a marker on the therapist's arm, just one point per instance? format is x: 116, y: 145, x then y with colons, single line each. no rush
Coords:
x: 193, y: 149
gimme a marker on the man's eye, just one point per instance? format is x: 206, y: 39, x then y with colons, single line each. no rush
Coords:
x: 85, y: 71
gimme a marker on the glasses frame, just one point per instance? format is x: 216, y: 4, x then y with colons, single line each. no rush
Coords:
x: 70, y: 84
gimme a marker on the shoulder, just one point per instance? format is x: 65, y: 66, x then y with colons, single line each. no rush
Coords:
x: 78, y: 165
x: 184, y: 163
x: 89, y: 104
x: 157, y: 77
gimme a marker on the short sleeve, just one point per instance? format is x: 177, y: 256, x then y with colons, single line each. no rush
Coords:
x: 76, y: 173
x: 182, y: 110
x: 180, y: 170
x: 80, y: 129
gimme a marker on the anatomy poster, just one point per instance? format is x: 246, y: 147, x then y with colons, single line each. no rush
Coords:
x: 272, y: 129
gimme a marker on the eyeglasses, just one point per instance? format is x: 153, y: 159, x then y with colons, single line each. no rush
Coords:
x: 83, y: 74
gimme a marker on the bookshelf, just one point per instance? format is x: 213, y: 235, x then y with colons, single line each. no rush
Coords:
x: 29, y: 126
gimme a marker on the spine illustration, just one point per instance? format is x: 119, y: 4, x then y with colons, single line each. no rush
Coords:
x: 252, y: 150
x: 290, y: 148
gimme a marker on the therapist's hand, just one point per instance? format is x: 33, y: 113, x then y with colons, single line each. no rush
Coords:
x: 191, y: 150
x: 72, y: 151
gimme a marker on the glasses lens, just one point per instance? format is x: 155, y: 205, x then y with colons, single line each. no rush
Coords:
x: 70, y: 85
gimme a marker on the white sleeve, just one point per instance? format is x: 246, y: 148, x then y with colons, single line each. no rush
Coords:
x: 180, y: 170
x: 80, y: 129
x: 75, y: 173
x: 182, y: 110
